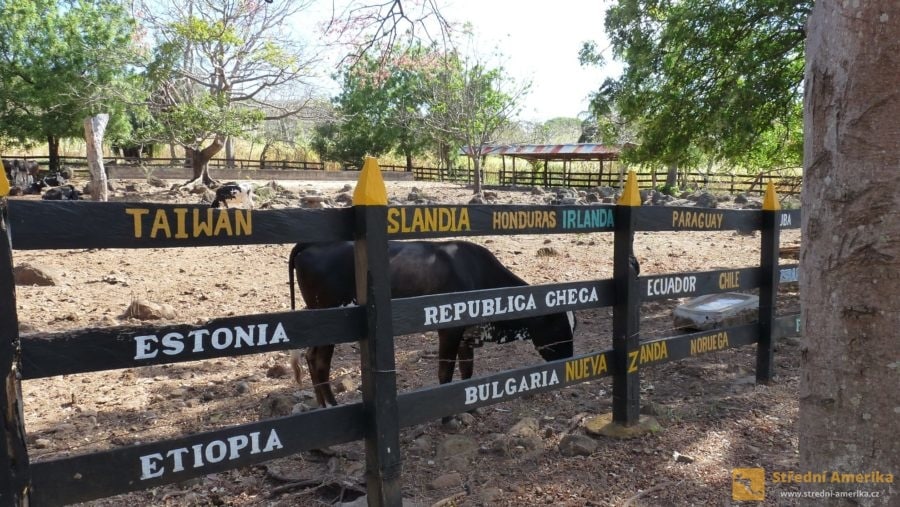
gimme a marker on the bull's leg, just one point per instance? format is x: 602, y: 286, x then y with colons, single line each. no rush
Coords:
x: 318, y: 360
x: 466, y: 357
x: 448, y: 346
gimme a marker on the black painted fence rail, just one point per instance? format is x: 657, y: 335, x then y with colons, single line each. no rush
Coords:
x: 373, y: 323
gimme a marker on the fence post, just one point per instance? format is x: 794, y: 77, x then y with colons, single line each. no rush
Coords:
x: 768, y: 287
x: 14, y: 477
x: 626, y: 312
x: 379, y: 377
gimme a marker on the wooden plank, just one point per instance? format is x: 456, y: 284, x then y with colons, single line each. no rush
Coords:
x: 679, y: 285
x: 768, y: 291
x: 425, y: 313
x: 626, y: 312
x: 788, y: 273
x: 789, y: 219
x: 83, y: 224
x: 99, y: 349
x: 81, y: 478
x: 428, y: 404
x: 678, y: 218
x: 14, y: 454
x: 407, y: 222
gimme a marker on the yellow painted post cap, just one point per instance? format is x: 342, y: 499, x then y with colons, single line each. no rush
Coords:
x: 770, y: 202
x: 4, y: 184
x: 370, y: 190
x: 630, y: 196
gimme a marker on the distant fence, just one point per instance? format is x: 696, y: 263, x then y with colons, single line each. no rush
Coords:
x: 383, y: 411
x: 275, y: 169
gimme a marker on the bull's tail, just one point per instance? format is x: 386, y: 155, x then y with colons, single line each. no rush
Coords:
x: 295, y: 365
x: 294, y: 251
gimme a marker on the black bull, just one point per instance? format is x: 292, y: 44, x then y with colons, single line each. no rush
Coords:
x: 325, y: 274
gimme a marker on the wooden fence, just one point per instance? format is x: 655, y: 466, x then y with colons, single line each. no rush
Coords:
x: 725, y: 183
x: 378, y: 418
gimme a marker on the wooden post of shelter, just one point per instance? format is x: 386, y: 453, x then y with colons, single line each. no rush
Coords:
x: 379, y: 376
x: 768, y: 287
x: 626, y: 311
x: 15, y: 477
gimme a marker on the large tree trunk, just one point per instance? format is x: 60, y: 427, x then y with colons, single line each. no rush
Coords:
x: 476, y: 175
x: 201, y: 158
x: 94, y: 128
x: 672, y: 176
x: 229, y: 152
x: 53, y: 153
x: 409, y: 166
x: 849, y: 396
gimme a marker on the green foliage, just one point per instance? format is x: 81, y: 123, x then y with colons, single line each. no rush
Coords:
x: 381, y: 107
x: 707, y: 78
x: 60, y: 62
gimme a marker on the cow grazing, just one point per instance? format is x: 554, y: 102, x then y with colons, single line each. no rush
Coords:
x: 62, y: 193
x: 325, y: 275
x: 234, y: 193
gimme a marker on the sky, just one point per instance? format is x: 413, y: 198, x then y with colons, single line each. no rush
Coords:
x: 539, y: 41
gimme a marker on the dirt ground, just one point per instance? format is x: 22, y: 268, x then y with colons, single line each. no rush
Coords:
x: 709, y: 407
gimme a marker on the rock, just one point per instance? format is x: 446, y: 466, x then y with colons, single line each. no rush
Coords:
x: 592, y: 197
x: 466, y: 418
x: 421, y: 444
x: 741, y: 199
x: 42, y: 443
x: 242, y: 387
x: 145, y: 310
x: 568, y: 201
x: 413, y: 196
x: 490, y: 195
x: 312, y: 201
x: 476, y: 199
x: 347, y: 188
x: 706, y: 200
x: 577, y: 445
x: 603, y: 425
x: 682, y: 458
x: 450, y: 480
x: 547, y: 251
x: 156, y: 181
x: 275, y: 405
x: 277, y: 371
x: 526, y: 433
x: 456, y: 445
x: 537, y: 191
x: 200, y: 189
x: 344, y: 198
x: 345, y: 384
x: 26, y: 274
x: 490, y: 496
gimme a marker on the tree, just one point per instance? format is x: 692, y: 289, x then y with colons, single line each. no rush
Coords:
x: 705, y: 77
x: 850, y: 253
x: 62, y: 61
x: 220, y: 67
x: 470, y: 103
x: 380, y: 108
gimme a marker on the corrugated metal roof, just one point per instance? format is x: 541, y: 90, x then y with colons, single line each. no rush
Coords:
x: 574, y: 151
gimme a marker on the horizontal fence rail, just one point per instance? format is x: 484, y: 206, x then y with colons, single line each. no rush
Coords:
x: 372, y: 323
x: 785, y: 184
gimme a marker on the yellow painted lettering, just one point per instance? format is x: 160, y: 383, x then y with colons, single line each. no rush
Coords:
x: 224, y: 223
x: 393, y: 225
x: 137, y: 213
x: 180, y: 223
x: 204, y: 227
x: 160, y: 223
x: 633, y: 364
x: 243, y: 222
x: 464, y: 224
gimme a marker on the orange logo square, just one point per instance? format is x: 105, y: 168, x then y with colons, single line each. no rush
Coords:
x: 748, y: 484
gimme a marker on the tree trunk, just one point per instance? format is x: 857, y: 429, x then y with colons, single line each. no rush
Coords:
x: 409, y: 167
x: 53, y: 152
x: 476, y: 175
x: 201, y: 158
x: 262, y: 155
x: 229, y: 152
x: 94, y: 128
x: 849, y: 400
x: 672, y: 176
x: 172, y: 156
